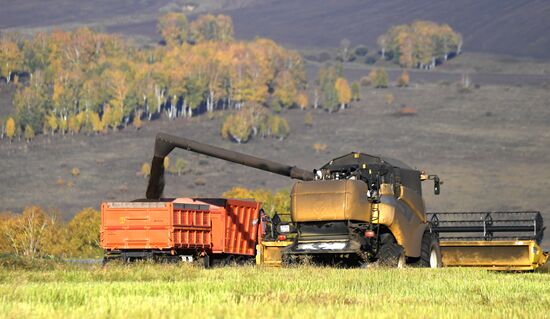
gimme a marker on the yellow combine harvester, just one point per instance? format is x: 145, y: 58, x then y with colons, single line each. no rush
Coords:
x: 361, y: 209
x: 474, y: 245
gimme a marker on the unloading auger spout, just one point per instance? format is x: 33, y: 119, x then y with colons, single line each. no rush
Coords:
x: 165, y: 143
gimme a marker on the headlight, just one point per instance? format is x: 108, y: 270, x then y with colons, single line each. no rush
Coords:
x: 285, y: 228
x: 332, y: 246
x: 322, y: 246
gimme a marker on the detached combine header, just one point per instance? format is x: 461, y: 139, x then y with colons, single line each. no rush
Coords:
x: 358, y: 209
x: 495, y: 240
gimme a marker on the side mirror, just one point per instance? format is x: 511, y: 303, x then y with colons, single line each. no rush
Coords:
x: 276, y: 220
x: 437, y: 182
x: 437, y: 185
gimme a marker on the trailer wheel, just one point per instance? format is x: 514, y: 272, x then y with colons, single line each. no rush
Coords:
x: 206, y: 261
x: 430, y: 255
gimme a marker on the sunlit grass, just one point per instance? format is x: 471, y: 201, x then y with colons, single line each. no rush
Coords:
x: 169, y: 291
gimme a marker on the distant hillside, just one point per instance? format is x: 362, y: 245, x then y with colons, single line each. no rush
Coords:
x: 44, y: 13
x: 511, y: 27
x: 137, y: 17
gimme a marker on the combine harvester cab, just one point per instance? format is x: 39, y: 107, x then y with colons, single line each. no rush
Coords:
x: 180, y: 229
x: 494, y: 240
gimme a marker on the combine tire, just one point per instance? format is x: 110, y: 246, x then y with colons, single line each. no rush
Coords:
x: 430, y: 255
x: 390, y: 254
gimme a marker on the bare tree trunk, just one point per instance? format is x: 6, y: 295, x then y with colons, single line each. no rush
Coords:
x: 12, y: 238
x: 173, y: 110
x: 184, y: 108
x: 465, y: 81
x: 210, y: 102
x: 33, y: 232
x: 145, y: 105
x: 315, y: 99
x: 159, y: 94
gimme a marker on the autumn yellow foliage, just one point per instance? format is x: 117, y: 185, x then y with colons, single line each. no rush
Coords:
x: 74, y: 124
x: 97, y: 124
x: 302, y: 100
x: 137, y: 121
x: 379, y: 78
x: 10, y: 128
x: 38, y: 233
x: 390, y: 98
x: 279, y: 126
x: 420, y: 44
x: 51, y: 123
x: 145, y: 170
x: 404, y: 79
x: 29, y: 133
x: 272, y: 202
x: 77, y: 76
x: 319, y: 147
x: 344, y: 92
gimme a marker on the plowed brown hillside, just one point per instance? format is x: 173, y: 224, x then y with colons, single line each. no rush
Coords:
x: 510, y: 27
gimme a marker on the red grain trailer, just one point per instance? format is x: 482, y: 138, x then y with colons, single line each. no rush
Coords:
x: 183, y: 228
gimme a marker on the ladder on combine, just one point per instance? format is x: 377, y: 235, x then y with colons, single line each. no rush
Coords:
x: 493, y: 240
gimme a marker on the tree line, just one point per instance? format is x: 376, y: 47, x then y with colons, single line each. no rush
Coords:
x: 36, y: 233
x: 87, y: 81
x: 422, y: 44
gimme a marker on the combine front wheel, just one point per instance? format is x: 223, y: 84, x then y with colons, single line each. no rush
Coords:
x: 430, y: 255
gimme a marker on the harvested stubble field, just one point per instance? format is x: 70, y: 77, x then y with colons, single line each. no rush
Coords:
x: 169, y: 291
